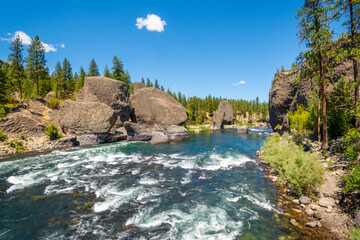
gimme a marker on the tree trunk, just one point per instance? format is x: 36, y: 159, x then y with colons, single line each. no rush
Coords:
x: 354, y: 66
x: 319, y: 118
x: 323, y: 102
x: 20, y: 88
x: 37, y: 85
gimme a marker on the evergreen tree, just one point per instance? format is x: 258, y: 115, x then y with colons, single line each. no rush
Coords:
x: 118, y: 68
x: 16, y: 67
x: 107, y: 72
x: 3, y: 87
x: 315, y: 32
x: 148, y: 83
x: 67, y: 84
x: 82, y: 78
x: 162, y: 88
x: 350, y: 10
x: 76, y: 80
x: 36, y: 62
x: 59, y: 84
x: 93, y: 69
x: 143, y: 80
x: 157, y: 84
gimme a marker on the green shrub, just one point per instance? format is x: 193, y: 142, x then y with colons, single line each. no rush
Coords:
x: 354, y: 234
x: 22, y: 137
x: 52, y: 132
x: 299, y: 169
x: 3, y: 136
x: 2, y: 112
x: 352, y: 146
x: 352, y: 182
x: 17, y: 145
x: 54, y: 103
x: 300, y: 120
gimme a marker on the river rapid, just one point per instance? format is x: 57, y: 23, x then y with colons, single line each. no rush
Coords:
x: 210, y: 187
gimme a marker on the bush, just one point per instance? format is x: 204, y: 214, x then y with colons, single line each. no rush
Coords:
x: 52, y: 132
x: 300, y: 119
x: 354, y: 234
x: 54, y: 103
x: 299, y: 169
x: 3, y: 136
x: 2, y: 113
x: 352, y: 146
x: 352, y: 182
x: 17, y: 145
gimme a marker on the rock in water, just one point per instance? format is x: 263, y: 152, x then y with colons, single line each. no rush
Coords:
x: 159, y: 138
x: 177, y: 133
x: 243, y: 129
x: 218, y: 120
x: 155, y: 107
x: 137, y: 132
x: 304, y: 199
x: 113, y: 93
x: 79, y: 118
x: 226, y: 107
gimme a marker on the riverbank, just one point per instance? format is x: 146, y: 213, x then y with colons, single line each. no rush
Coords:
x: 322, y: 212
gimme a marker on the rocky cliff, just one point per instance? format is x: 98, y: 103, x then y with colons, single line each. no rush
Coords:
x: 287, y: 91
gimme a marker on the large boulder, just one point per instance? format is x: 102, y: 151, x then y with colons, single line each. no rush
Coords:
x: 155, y: 107
x: 111, y: 92
x: 79, y: 118
x: 30, y: 118
x: 137, y: 132
x: 177, y: 133
x: 226, y: 107
x: 218, y: 120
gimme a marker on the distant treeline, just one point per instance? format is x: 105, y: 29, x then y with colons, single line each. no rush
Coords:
x: 29, y: 77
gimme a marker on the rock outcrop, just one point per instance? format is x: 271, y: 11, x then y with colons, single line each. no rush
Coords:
x: 155, y: 107
x: 287, y: 91
x: 223, y: 115
x: 29, y: 118
x: 111, y: 92
x: 80, y: 118
x: 226, y: 107
x: 218, y: 120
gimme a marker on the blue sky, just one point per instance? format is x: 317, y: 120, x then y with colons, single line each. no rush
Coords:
x: 205, y: 48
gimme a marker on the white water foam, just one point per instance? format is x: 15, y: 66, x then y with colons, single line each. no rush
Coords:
x: 201, y: 222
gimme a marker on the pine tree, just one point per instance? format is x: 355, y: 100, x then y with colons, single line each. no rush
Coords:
x: 162, y: 88
x: 93, y: 69
x: 76, y: 80
x: 315, y: 32
x: 17, y: 68
x: 143, y: 80
x: 58, y: 79
x: 82, y: 78
x: 148, y: 83
x: 107, y: 72
x: 3, y: 87
x: 350, y: 10
x: 157, y: 84
x: 36, y: 62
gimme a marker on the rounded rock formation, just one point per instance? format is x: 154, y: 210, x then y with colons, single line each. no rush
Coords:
x: 226, y: 107
x: 153, y: 106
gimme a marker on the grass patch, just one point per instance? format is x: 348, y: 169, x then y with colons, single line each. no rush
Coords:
x: 201, y: 127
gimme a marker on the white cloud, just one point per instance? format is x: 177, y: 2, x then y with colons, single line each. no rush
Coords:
x: 239, y: 83
x: 23, y: 36
x: 26, y: 40
x: 152, y: 23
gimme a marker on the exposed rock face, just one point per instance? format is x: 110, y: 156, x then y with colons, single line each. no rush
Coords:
x: 30, y: 118
x: 286, y: 94
x: 119, y: 135
x: 49, y: 95
x: 78, y: 118
x: 218, y: 120
x: 111, y: 92
x: 155, y: 107
x: 226, y: 107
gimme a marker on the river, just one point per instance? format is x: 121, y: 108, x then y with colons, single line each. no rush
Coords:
x: 210, y: 187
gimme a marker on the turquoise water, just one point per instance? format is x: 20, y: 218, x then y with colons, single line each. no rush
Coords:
x: 210, y: 187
